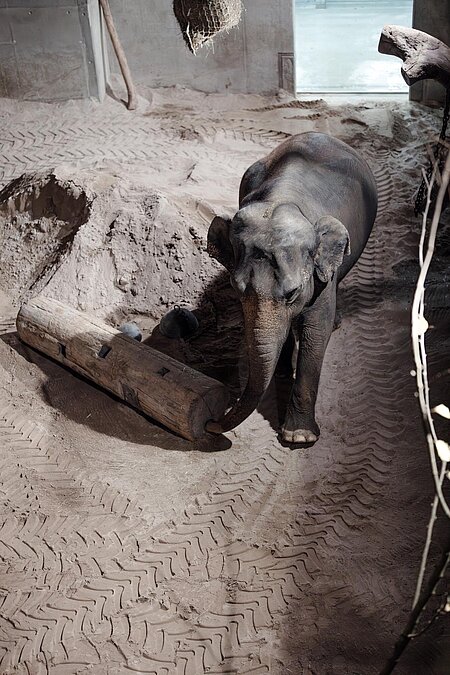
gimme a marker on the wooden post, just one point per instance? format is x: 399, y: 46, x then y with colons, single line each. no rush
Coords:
x: 424, y: 56
x: 121, y: 58
x: 181, y: 398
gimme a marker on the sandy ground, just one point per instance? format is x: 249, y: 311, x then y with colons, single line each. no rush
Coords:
x: 124, y: 549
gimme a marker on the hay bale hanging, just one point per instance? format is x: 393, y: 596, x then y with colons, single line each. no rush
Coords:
x: 201, y: 20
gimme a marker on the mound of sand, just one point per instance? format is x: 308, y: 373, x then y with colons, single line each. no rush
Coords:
x: 101, y: 242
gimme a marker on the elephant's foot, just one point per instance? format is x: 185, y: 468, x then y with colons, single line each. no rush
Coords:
x: 298, y: 436
x: 299, y: 428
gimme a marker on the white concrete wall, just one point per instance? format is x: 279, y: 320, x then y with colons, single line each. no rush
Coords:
x: 244, y: 60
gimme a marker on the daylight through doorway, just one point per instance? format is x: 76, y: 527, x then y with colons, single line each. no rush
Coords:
x: 336, y: 46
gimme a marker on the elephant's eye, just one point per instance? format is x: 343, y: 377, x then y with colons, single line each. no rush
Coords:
x: 291, y: 296
x: 259, y: 254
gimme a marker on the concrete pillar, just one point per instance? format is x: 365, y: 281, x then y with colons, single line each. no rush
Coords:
x: 433, y: 17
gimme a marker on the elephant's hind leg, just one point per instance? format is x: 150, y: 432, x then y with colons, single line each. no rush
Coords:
x: 285, y: 366
x: 300, y: 424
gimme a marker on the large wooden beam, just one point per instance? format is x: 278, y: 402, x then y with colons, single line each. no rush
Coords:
x: 179, y: 397
x: 424, y: 56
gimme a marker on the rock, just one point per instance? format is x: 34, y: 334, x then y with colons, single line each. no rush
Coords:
x: 132, y: 330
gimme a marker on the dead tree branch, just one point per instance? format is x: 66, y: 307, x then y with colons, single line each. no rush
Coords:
x: 408, y: 634
x: 438, y: 449
x: 418, y: 329
x: 424, y: 56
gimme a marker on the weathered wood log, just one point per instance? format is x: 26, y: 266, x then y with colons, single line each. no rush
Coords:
x: 170, y: 392
x: 424, y: 56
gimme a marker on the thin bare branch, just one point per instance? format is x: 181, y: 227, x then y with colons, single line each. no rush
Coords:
x: 418, y: 331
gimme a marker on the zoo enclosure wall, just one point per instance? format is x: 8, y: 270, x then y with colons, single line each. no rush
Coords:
x: 57, y: 49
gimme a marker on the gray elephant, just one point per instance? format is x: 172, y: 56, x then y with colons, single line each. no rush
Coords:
x: 305, y: 214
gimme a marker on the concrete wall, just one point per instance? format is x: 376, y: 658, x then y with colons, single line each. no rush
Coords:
x: 54, y: 49
x: 433, y: 17
x: 50, y: 49
x: 247, y: 59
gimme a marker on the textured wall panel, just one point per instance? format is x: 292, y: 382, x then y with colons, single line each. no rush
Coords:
x: 48, y: 50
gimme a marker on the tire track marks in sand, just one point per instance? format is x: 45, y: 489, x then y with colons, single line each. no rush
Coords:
x: 101, y: 587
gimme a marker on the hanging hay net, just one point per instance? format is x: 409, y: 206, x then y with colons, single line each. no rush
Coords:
x: 201, y: 20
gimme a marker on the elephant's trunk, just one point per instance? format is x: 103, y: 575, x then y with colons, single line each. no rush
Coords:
x: 266, y: 328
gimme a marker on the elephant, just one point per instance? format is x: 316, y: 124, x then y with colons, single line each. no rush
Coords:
x: 306, y: 211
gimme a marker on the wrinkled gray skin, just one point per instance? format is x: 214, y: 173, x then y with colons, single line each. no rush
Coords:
x: 305, y: 214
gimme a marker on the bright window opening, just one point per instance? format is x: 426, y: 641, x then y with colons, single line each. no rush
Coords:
x: 337, y: 46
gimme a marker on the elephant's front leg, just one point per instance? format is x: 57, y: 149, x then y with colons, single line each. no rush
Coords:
x: 314, y: 330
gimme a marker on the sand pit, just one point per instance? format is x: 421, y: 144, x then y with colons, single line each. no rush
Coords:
x: 125, y: 549
x: 100, y: 242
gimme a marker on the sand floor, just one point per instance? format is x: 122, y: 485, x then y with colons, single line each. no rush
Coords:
x: 125, y: 549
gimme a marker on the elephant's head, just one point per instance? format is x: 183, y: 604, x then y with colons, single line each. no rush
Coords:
x: 278, y: 263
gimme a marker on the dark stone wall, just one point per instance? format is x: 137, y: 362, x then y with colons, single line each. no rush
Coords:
x: 433, y: 17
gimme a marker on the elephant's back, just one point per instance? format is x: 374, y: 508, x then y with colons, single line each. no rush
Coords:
x: 316, y: 151
x: 322, y: 175
x: 308, y: 166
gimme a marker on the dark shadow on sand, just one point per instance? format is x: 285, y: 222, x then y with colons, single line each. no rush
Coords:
x: 86, y: 403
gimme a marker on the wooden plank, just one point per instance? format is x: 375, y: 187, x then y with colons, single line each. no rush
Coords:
x: 180, y: 398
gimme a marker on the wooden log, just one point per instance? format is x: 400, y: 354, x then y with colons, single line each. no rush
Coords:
x: 170, y: 392
x: 424, y: 56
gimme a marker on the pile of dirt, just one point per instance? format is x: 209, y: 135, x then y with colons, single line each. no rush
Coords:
x: 39, y: 219
x: 101, y: 242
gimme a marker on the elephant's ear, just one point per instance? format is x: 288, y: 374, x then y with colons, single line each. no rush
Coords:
x: 219, y: 245
x: 334, y: 243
